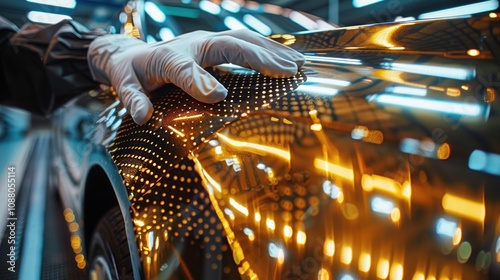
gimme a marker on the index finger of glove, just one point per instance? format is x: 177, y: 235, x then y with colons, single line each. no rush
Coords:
x: 132, y: 95
x: 267, y: 43
x: 228, y: 49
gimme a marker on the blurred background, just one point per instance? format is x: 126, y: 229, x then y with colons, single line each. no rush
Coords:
x: 107, y: 14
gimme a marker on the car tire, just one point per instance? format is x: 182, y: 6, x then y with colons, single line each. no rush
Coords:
x: 109, y: 256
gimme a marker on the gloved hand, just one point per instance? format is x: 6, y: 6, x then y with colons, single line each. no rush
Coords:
x: 134, y: 67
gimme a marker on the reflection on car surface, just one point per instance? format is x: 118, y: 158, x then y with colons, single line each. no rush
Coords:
x: 378, y: 160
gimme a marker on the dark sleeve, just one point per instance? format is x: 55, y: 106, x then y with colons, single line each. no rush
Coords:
x: 43, y: 66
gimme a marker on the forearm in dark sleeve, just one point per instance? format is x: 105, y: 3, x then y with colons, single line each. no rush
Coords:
x: 44, y: 66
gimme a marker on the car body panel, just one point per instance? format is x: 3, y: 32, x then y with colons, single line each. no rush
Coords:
x: 378, y: 159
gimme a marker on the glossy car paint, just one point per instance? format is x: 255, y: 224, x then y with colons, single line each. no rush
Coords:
x: 379, y: 159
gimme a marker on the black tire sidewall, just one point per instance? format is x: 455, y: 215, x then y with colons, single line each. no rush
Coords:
x: 109, y: 242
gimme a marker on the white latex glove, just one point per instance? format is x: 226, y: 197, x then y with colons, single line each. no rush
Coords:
x: 134, y: 67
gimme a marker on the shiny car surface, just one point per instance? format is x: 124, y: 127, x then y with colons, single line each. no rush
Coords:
x: 380, y: 159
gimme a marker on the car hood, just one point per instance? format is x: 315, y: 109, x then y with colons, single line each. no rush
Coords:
x: 380, y: 158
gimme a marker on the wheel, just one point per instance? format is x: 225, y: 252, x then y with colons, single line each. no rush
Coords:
x: 109, y: 256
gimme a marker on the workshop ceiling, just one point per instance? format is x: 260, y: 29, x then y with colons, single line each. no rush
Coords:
x: 99, y: 13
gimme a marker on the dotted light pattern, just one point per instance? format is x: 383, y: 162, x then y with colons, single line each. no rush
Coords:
x: 169, y: 206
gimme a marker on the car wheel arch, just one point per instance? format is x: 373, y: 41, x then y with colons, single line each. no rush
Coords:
x: 99, y: 198
x: 101, y: 195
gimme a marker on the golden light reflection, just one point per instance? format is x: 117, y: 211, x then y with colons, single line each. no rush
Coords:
x: 287, y: 231
x: 270, y: 224
x: 80, y: 261
x: 138, y: 222
x: 218, y: 150
x: 75, y: 241
x: 323, y: 274
x: 383, y: 268
x: 255, y: 148
x: 457, y: 236
x: 454, y: 92
x: 301, y: 237
x: 257, y: 217
x: 340, y: 198
x: 329, y: 248
x: 406, y: 192
x: 289, y: 39
x: 463, y: 207
x: 188, y: 117
x: 395, y: 214
x: 490, y: 95
x: 238, y: 254
x: 418, y: 276
x: 365, y: 262
x: 437, y: 88
x: 395, y: 77
x: 385, y: 184
x: 498, y: 256
x: 316, y: 127
x: 346, y: 255
x: 375, y: 137
x: 251, y: 236
x: 281, y: 256
x: 335, y: 169
x: 493, y: 15
x: 242, y: 209
x: 69, y: 216
x: 396, y: 272
x: 211, y: 181
x: 384, y: 37
x: 473, y: 52
x: 73, y: 227
x: 443, y: 152
x: 176, y: 131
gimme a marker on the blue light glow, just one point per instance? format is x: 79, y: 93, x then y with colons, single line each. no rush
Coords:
x: 234, y: 24
x: 70, y: 4
x: 261, y: 166
x: 363, y: 3
x: 248, y: 231
x: 303, y: 20
x: 154, y: 12
x: 210, y: 7
x: 464, y: 10
x: 257, y: 24
x: 228, y: 212
x: 48, y: 18
x: 231, y: 6
x: 318, y: 90
x: 486, y: 162
x: 274, y: 250
x: 446, y: 227
x: 446, y: 107
x: 325, y: 81
x: 331, y: 189
x: 456, y: 73
x: 347, y: 277
x: 408, y: 90
x: 166, y: 34
x: 335, y: 60
x: 382, y: 205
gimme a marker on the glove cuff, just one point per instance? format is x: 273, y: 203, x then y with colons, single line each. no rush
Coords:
x: 103, y: 50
